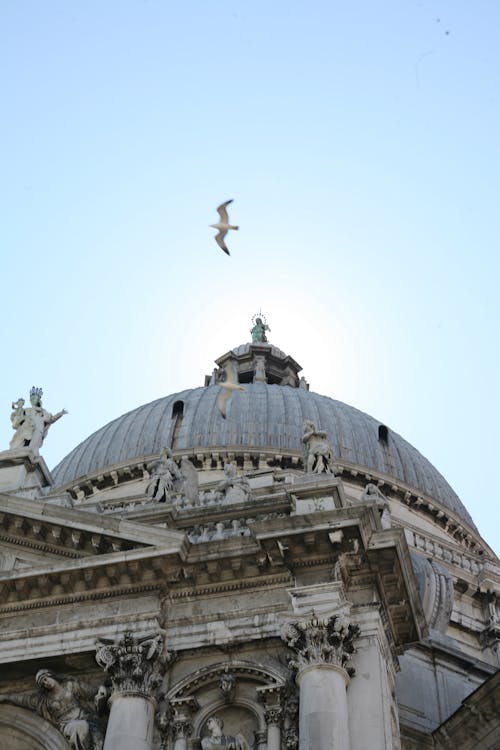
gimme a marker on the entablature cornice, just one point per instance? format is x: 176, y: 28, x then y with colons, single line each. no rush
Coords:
x: 103, y: 576
x: 266, y: 459
x: 362, y: 553
x: 476, y: 724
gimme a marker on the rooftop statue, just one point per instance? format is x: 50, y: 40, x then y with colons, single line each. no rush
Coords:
x: 164, y: 475
x: 233, y: 486
x: 318, y: 451
x: 31, y: 423
x: 259, y: 330
x: 69, y: 705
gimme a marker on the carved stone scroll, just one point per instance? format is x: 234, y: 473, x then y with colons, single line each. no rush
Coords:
x: 136, y: 667
x: 322, y: 641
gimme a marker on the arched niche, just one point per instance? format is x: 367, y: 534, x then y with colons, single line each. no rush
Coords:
x: 21, y: 729
x: 199, y: 696
x: 240, y: 717
x: 242, y: 669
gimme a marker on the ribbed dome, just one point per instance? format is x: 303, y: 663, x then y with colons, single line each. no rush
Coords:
x: 263, y: 416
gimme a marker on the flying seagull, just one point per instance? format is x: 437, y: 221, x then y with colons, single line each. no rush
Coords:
x: 223, y: 226
x: 229, y: 385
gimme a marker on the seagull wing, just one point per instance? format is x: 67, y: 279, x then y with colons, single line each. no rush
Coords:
x: 219, y: 238
x: 231, y: 374
x: 221, y: 210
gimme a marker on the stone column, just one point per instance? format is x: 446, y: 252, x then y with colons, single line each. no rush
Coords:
x: 323, y: 649
x: 136, y: 667
x: 273, y: 718
x: 272, y: 696
x: 181, y: 721
x: 182, y: 730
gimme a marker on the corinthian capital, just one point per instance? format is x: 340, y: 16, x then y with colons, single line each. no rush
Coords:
x: 135, y: 665
x: 322, y: 641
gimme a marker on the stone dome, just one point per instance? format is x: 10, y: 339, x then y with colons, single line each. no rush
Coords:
x: 263, y: 417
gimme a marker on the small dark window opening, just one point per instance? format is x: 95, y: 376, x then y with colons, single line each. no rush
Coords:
x: 178, y: 409
x: 383, y: 433
x: 177, y: 416
x: 245, y: 377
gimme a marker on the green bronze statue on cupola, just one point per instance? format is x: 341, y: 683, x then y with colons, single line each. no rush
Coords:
x: 259, y: 329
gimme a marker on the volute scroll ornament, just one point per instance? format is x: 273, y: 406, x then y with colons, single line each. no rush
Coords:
x: 322, y: 642
x: 135, y: 665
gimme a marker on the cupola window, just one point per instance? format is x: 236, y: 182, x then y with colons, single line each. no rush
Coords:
x: 178, y: 409
x: 383, y: 433
x: 177, y: 416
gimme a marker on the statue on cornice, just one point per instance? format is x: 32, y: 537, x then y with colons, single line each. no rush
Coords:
x: 258, y: 330
x: 218, y: 741
x: 31, y: 423
x: 70, y: 705
x: 318, y: 451
x: 164, y: 475
x: 234, y: 487
x: 259, y: 373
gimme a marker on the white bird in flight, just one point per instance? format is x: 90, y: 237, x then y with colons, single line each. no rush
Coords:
x: 229, y: 385
x: 223, y: 226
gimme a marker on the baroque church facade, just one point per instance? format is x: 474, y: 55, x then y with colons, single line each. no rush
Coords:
x: 245, y: 565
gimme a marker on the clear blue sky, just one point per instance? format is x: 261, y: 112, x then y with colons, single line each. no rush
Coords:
x: 359, y: 141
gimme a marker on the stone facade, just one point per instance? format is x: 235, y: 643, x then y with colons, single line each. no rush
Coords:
x: 242, y: 596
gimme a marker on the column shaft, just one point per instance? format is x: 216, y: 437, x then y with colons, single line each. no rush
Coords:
x: 131, y: 722
x: 323, y: 716
x: 273, y: 737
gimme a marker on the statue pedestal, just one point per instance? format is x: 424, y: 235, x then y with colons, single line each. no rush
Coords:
x: 22, y: 470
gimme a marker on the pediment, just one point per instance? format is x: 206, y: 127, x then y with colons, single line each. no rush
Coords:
x: 63, y: 554
x: 32, y: 530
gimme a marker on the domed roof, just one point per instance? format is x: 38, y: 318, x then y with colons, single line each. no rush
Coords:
x: 261, y: 417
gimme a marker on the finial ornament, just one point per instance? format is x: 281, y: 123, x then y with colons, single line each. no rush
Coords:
x: 259, y: 328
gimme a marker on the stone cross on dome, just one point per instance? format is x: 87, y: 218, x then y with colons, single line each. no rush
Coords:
x: 259, y: 328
